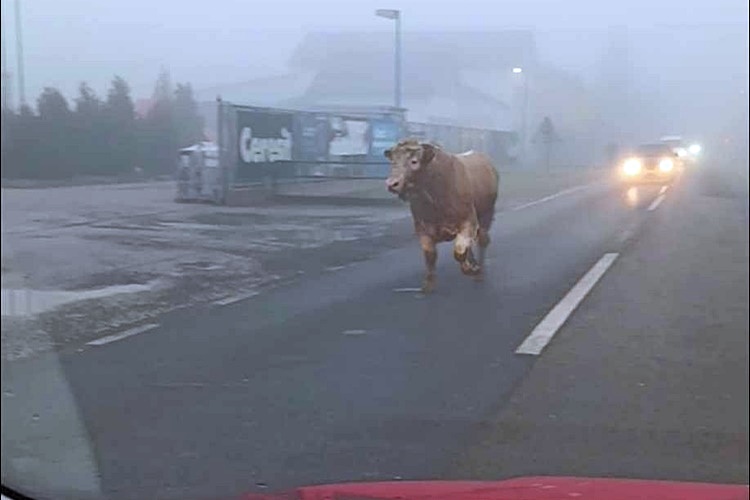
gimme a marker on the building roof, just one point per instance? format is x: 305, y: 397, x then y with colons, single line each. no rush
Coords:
x: 266, y: 91
x: 452, y: 50
x: 359, y: 66
x: 355, y: 70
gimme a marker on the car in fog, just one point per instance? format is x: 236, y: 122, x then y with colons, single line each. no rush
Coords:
x: 687, y: 152
x: 647, y: 163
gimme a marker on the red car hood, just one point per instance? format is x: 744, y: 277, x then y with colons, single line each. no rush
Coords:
x: 526, y: 488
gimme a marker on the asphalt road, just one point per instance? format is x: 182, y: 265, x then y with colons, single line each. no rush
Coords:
x: 341, y: 376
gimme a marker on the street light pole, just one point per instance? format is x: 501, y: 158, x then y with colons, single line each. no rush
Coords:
x: 397, y: 69
x: 19, y: 53
x: 524, y: 111
x: 6, y: 75
x: 395, y: 15
x: 525, y: 117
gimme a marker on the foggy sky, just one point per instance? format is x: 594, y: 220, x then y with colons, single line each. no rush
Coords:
x: 690, y: 57
x: 224, y: 41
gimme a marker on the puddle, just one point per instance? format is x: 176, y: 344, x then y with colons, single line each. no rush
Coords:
x: 26, y: 302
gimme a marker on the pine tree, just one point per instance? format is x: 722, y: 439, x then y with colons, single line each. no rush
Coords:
x: 90, y: 150
x: 187, y: 120
x: 55, y: 136
x: 120, y: 128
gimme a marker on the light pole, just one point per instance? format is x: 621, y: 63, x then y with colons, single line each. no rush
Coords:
x: 19, y: 54
x: 6, y: 74
x: 395, y: 15
x: 524, y: 113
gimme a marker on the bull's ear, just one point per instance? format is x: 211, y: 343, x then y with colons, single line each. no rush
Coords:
x: 387, y: 153
x: 428, y: 153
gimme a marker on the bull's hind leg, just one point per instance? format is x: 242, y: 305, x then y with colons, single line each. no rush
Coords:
x: 483, y: 237
x: 483, y: 241
x: 429, y: 249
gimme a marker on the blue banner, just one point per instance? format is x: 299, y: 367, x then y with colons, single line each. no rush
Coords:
x: 385, y: 133
x: 311, y: 132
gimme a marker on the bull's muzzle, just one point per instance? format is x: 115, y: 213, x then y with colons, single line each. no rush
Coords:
x: 395, y: 185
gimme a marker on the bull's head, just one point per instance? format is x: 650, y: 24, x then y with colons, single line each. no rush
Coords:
x: 408, y: 159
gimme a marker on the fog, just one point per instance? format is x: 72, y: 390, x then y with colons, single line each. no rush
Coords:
x: 682, y: 63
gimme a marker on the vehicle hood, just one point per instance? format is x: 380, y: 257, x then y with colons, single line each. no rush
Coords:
x: 526, y: 488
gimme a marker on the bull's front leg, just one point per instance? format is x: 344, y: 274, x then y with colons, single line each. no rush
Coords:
x: 462, y: 250
x: 429, y: 249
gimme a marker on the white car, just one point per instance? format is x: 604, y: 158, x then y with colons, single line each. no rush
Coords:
x: 687, y: 153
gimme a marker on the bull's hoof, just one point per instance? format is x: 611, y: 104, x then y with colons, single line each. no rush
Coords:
x: 471, y: 269
x: 428, y: 285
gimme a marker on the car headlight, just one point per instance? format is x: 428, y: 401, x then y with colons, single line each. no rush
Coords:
x: 666, y: 165
x: 631, y: 166
x: 695, y: 149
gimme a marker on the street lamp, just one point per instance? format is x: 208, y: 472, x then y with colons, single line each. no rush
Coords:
x: 395, y: 15
x: 519, y: 71
x: 19, y: 55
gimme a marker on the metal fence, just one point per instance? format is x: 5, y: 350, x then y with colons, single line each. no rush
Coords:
x: 497, y: 144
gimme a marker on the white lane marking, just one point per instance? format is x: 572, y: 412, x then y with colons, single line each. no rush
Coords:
x: 628, y: 232
x: 119, y: 336
x: 354, y: 332
x: 656, y: 202
x: 538, y: 339
x: 407, y: 290
x: 663, y: 189
x: 333, y: 269
x: 234, y: 298
x: 550, y: 197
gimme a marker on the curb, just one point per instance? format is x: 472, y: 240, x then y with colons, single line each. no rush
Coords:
x: 336, y: 200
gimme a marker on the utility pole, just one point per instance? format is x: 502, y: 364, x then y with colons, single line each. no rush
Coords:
x: 525, y: 125
x: 524, y: 113
x: 6, y: 74
x: 19, y: 51
x: 397, y: 61
x: 395, y: 15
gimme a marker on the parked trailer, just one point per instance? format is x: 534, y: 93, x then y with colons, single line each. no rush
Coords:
x: 260, y: 147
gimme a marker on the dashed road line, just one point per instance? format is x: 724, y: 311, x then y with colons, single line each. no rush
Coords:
x: 628, y: 233
x: 234, y: 299
x: 538, y: 339
x: 333, y: 269
x: 354, y: 332
x: 119, y: 336
x: 656, y: 202
x: 550, y: 197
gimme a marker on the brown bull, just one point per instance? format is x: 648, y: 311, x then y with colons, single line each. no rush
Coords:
x: 452, y: 198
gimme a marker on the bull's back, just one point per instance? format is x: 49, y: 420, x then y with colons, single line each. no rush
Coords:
x: 483, y: 179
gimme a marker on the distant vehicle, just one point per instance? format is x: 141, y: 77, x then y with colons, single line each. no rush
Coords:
x: 688, y: 153
x: 650, y: 163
